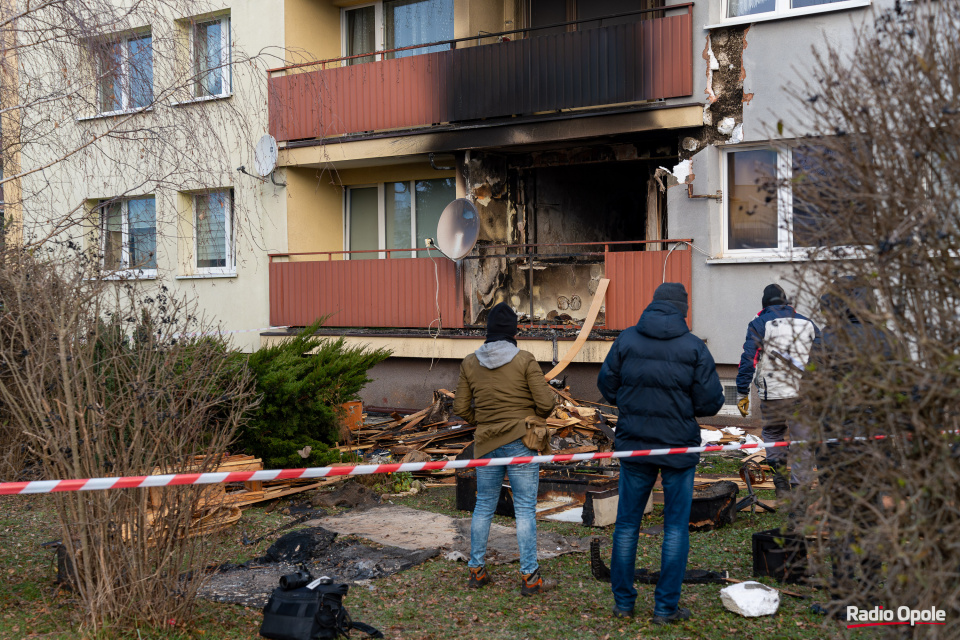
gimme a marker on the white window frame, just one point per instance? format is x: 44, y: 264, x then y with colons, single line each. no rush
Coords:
x: 785, y: 250
x: 226, y: 47
x: 784, y: 10
x: 378, y: 36
x: 125, y: 84
x: 230, y: 269
x: 125, y: 270
x: 382, y: 217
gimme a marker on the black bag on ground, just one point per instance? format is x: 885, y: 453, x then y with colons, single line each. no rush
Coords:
x: 312, y: 612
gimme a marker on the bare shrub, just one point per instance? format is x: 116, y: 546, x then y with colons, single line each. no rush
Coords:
x: 102, y: 382
x: 876, y: 186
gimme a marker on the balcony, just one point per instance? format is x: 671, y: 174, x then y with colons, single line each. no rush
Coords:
x: 625, y: 63
x: 410, y: 293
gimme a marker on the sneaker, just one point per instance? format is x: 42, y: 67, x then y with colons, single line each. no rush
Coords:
x: 533, y: 583
x: 620, y: 613
x: 679, y: 615
x: 782, y: 486
x: 478, y: 578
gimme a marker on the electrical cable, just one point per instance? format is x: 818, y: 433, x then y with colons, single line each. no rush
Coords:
x: 672, y: 249
x: 436, y: 275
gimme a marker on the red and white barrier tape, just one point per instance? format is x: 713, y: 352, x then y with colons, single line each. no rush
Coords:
x: 133, y: 482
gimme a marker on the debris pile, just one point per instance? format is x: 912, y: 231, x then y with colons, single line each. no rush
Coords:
x: 220, y: 505
x: 436, y: 433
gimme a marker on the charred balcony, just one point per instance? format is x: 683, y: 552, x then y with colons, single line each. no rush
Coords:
x: 528, y: 72
x: 400, y: 292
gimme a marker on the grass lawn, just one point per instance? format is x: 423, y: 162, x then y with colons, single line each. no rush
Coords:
x: 429, y: 601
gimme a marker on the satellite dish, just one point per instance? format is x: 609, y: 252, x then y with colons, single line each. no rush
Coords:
x: 458, y: 229
x: 265, y: 155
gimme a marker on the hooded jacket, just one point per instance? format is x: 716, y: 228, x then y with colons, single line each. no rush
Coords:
x: 662, y: 378
x: 500, y: 386
x: 775, y: 352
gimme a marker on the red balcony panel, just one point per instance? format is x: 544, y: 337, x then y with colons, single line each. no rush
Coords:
x: 634, y: 275
x: 399, y: 293
x: 647, y: 60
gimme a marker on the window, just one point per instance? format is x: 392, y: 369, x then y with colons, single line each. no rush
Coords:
x: 394, y: 24
x: 211, y: 58
x: 546, y: 12
x: 761, y: 210
x: 129, y: 234
x: 213, y: 222
x: 395, y: 215
x: 784, y: 8
x: 126, y: 73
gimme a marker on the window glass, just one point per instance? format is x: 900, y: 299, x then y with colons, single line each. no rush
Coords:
x: 431, y: 197
x: 599, y: 8
x: 211, y: 58
x: 544, y: 12
x: 808, y: 172
x: 752, y: 222
x: 397, y: 215
x: 111, y: 77
x: 796, y: 4
x: 364, y: 222
x: 113, y: 236
x: 143, y: 233
x: 361, y: 33
x: 749, y: 7
x: 410, y: 22
x: 141, y: 72
x: 212, y: 212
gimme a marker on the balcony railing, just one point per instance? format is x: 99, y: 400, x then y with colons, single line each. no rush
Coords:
x: 650, y: 59
x: 408, y: 293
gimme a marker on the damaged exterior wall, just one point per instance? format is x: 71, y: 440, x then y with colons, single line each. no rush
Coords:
x: 602, y: 193
x: 753, y: 64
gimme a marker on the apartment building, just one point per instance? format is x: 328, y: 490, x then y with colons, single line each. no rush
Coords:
x: 618, y: 139
x: 602, y: 139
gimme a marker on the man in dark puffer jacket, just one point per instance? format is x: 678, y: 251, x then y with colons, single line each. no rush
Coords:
x: 661, y: 377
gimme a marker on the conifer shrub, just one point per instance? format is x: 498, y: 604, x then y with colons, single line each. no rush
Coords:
x: 302, y: 381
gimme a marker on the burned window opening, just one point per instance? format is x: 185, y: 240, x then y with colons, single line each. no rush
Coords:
x: 572, y: 214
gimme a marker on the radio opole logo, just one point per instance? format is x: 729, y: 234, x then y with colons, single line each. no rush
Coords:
x: 878, y: 616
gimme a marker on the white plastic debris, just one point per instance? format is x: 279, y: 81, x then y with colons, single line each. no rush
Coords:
x: 750, y: 599
x: 709, y: 435
x: 455, y: 556
x: 733, y: 431
x: 752, y: 439
x: 726, y: 126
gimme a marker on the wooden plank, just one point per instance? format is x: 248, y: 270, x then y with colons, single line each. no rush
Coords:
x: 584, y: 331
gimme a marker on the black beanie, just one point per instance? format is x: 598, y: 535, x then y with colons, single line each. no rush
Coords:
x: 675, y: 294
x: 774, y: 294
x: 501, y: 324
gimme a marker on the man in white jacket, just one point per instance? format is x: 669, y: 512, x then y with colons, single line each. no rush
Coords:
x: 775, y: 354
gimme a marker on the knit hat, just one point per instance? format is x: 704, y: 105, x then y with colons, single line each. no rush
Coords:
x: 501, y: 324
x: 774, y: 294
x: 675, y: 294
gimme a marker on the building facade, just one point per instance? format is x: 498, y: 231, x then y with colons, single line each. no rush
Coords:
x: 618, y: 139
x: 610, y: 139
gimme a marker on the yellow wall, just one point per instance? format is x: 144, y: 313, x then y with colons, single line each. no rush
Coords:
x: 390, y: 173
x: 315, y: 202
x: 314, y: 212
x: 311, y: 30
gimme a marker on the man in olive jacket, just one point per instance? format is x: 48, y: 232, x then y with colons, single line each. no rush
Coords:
x: 661, y: 377
x: 499, y: 387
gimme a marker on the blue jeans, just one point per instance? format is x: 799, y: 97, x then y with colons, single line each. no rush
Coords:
x: 636, y: 482
x: 524, y: 482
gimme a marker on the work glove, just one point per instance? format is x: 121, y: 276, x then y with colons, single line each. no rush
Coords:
x: 743, y: 403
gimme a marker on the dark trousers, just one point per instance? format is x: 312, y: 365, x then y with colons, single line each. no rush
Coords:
x: 636, y: 482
